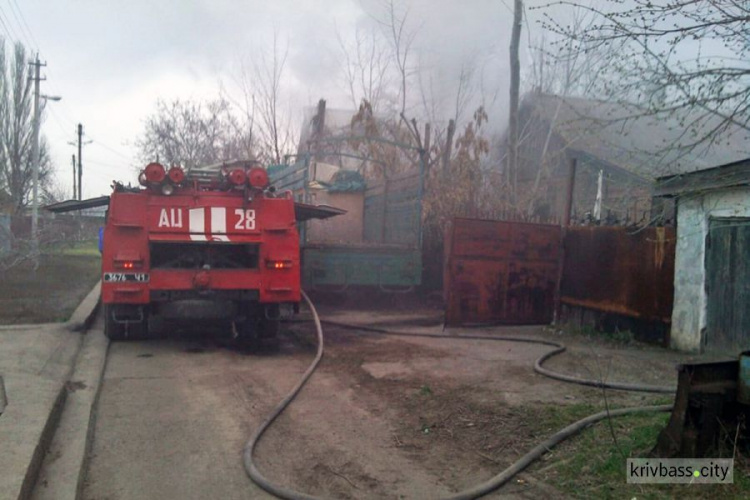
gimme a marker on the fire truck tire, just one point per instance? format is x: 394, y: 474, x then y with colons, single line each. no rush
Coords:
x: 112, y: 329
x: 268, y: 334
x: 259, y: 334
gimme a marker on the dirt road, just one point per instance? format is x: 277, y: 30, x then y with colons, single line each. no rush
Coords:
x: 384, y: 417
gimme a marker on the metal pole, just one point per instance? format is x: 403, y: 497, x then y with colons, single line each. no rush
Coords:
x: 80, y: 167
x: 565, y: 223
x: 74, y: 177
x: 571, y: 191
x: 35, y: 163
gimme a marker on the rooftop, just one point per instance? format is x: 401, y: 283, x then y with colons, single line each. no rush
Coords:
x: 646, y: 145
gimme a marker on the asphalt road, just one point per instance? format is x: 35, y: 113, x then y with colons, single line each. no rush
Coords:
x: 174, y: 415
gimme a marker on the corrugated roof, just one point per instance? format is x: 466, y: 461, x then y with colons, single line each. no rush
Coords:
x: 648, y: 146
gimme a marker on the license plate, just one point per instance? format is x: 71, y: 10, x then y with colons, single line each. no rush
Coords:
x: 122, y: 277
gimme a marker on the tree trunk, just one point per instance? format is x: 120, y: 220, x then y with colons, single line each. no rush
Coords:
x: 515, y: 79
x: 448, y: 149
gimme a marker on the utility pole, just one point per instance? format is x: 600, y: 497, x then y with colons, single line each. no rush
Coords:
x: 80, y: 143
x: 74, y: 177
x: 35, y: 159
x: 80, y: 167
x: 37, y: 78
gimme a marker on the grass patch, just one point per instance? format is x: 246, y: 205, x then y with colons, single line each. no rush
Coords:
x: 89, y: 248
x: 592, y: 465
x: 51, y: 292
x: 425, y: 390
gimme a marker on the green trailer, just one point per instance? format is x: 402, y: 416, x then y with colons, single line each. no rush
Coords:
x: 378, y: 243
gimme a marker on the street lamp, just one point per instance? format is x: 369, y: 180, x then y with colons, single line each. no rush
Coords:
x: 35, y: 168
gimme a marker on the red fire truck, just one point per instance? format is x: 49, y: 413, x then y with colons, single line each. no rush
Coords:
x: 216, y: 245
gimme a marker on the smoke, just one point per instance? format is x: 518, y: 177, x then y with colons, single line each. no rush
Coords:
x: 111, y: 61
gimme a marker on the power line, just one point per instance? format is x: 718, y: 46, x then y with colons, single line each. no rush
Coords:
x: 6, y: 30
x: 58, y: 122
x: 61, y: 115
x: 97, y: 142
x: 9, y: 28
x: 20, y: 27
x: 109, y: 165
x: 23, y: 20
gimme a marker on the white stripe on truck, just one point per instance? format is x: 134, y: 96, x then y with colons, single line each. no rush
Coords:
x: 197, y: 224
x: 219, y: 224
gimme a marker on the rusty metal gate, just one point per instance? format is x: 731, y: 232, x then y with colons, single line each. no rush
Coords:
x: 620, y: 271
x: 500, y: 272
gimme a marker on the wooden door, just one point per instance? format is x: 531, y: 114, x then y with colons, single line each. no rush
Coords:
x: 728, y: 286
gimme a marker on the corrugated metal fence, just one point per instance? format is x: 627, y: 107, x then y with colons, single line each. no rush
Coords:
x: 620, y: 270
x: 508, y: 272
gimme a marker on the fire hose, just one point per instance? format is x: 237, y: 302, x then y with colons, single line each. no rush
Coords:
x: 494, y: 482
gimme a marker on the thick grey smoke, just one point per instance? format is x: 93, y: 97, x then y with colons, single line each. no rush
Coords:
x: 111, y: 61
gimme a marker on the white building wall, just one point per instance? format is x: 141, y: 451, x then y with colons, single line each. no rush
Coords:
x: 693, y: 214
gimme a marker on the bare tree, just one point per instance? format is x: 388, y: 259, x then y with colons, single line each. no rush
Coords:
x: 677, y: 60
x: 366, y: 67
x: 193, y: 133
x: 262, y: 87
x: 16, y: 129
x: 401, y: 39
x: 559, y: 66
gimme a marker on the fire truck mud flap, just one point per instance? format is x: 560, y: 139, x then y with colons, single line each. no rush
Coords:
x: 122, y: 322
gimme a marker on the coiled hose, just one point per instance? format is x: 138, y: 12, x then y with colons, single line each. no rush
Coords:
x: 494, y: 482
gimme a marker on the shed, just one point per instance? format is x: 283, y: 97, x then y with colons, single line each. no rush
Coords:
x: 620, y: 151
x: 711, y: 311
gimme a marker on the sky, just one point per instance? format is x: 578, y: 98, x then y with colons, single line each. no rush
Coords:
x: 111, y: 60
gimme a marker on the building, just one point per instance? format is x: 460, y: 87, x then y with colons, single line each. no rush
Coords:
x: 619, y: 154
x: 711, y: 311
x: 363, y: 164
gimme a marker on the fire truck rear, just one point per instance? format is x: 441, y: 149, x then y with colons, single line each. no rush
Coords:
x: 217, y: 247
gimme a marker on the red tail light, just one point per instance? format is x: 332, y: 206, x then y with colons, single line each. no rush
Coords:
x: 155, y: 173
x: 127, y: 264
x: 278, y: 264
x: 258, y: 177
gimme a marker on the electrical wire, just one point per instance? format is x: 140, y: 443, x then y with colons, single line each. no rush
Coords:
x: 25, y: 24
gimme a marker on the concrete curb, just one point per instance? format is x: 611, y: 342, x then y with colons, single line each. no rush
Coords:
x: 63, y: 471
x: 81, y: 319
x: 92, y: 423
x: 60, y: 475
x: 45, y: 438
x: 86, y: 311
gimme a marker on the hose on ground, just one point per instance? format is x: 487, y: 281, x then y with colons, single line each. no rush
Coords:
x: 497, y: 480
x: 558, y: 349
x: 500, y: 479
x: 250, y: 466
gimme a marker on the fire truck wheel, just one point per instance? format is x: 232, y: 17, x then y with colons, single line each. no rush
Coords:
x: 261, y: 335
x: 268, y: 334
